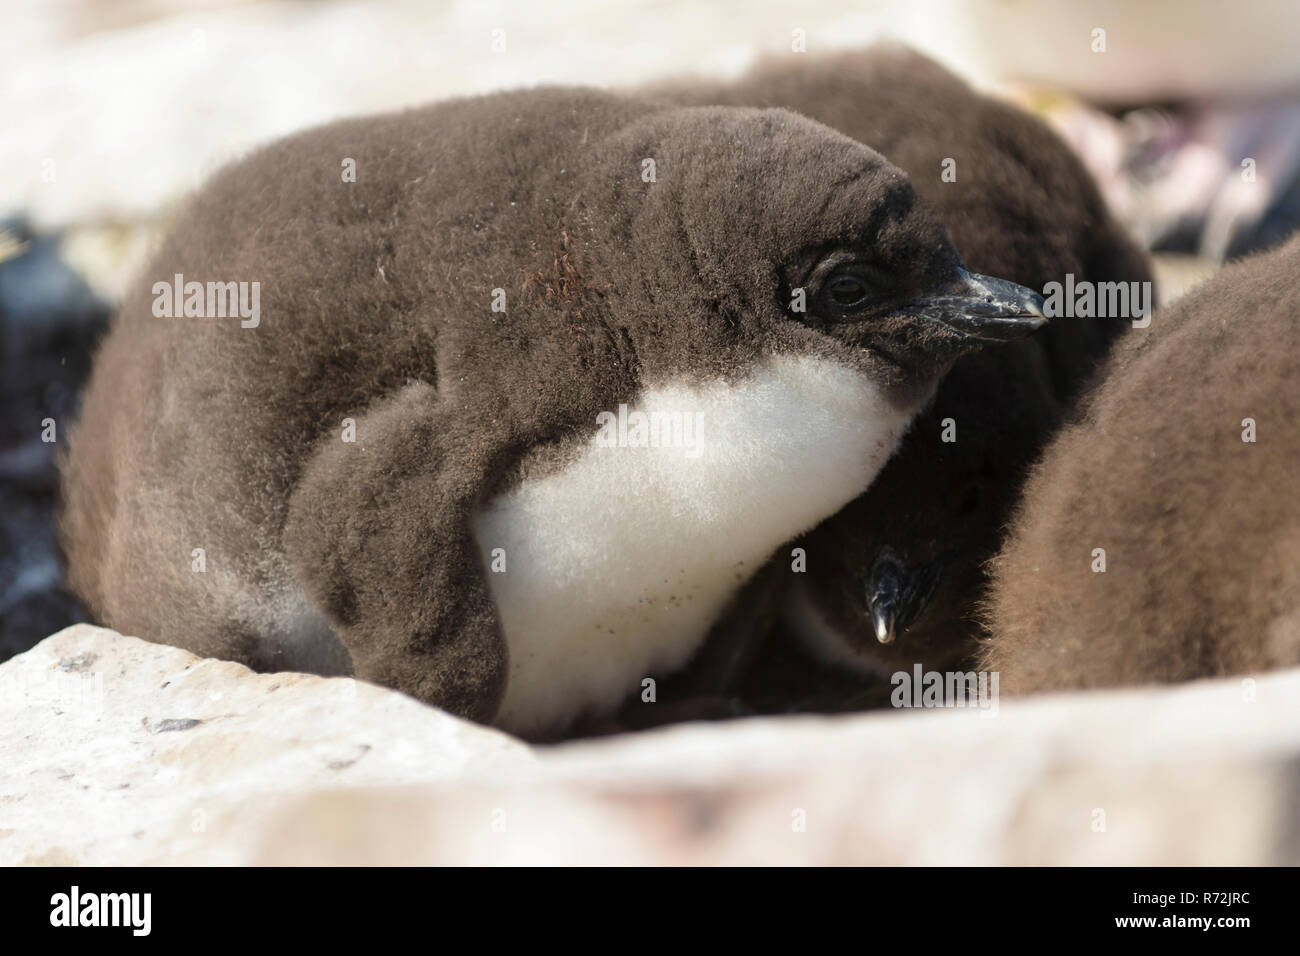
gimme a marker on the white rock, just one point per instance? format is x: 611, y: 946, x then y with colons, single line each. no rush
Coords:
x: 114, y: 750
x: 118, y: 122
x: 100, y: 764
x: 1172, y: 776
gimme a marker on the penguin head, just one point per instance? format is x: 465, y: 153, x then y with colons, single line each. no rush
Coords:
x: 890, y: 580
x: 895, y: 571
x: 738, y: 229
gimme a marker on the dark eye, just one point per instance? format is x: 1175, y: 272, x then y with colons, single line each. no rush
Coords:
x: 847, y: 291
x: 851, y: 288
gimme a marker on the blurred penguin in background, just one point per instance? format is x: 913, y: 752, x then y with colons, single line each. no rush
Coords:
x: 50, y: 320
x: 1159, y: 538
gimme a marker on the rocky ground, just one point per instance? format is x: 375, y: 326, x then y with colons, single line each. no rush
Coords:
x: 117, y: 751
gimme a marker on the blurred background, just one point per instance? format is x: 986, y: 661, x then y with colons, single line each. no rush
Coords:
x: 1187, y: 112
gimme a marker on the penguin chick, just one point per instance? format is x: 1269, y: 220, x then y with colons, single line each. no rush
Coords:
x: 903, y: 564
x: 423, y: 461
x: 1159, y: 538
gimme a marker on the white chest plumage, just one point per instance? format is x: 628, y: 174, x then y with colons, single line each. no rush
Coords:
x: 616, y: 567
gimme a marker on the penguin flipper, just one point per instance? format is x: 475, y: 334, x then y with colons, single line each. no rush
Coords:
x: 378, y: 535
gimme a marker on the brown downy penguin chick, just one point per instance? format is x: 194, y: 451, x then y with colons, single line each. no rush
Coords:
x: 1159, y: 537
x: 515, y: 513
x: 904, y: 562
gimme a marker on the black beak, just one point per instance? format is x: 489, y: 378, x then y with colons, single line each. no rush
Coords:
x: 885, y: 596
x: 896, y: 595
x: 981, y: 307
x: 883, y: 619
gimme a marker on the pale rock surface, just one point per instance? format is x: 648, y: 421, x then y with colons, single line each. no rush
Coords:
x: 100, y: 762
x: 115, y: 110
x: 1194, y: 775
x: 115, y: 750
x: 112, y: 115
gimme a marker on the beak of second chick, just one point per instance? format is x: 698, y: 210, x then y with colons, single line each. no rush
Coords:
x: 982, y: 307
x: 895, y: 594
x: 885, y: 595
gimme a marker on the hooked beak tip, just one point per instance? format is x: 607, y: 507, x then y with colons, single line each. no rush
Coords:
x: 884, y: 624
x: 984, y: 308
